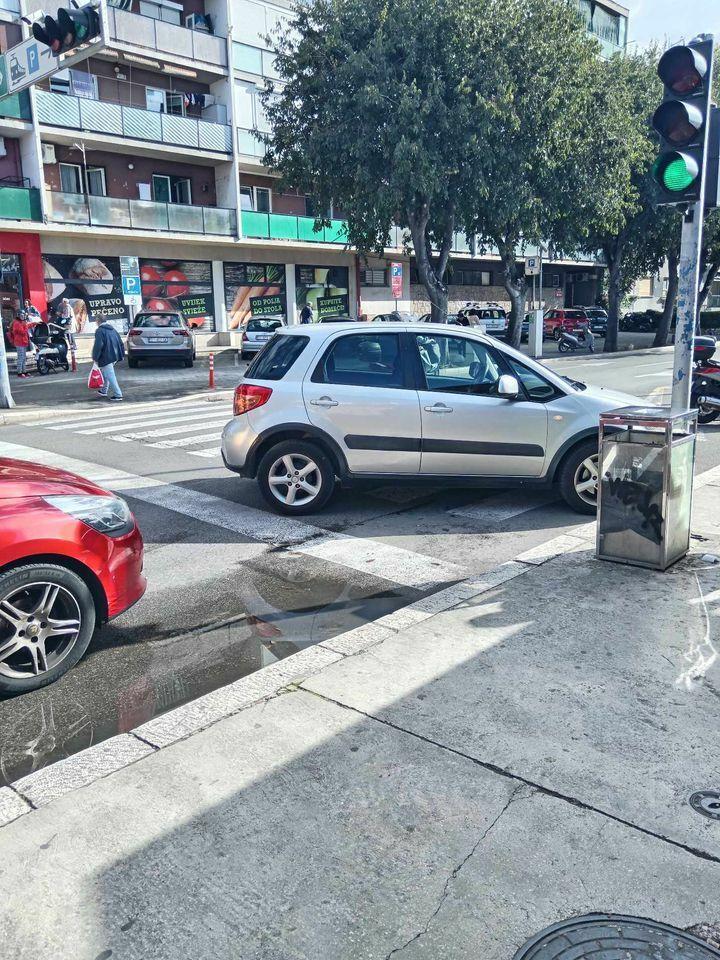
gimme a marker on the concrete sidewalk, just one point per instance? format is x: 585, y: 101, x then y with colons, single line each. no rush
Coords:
x: 443, y: 785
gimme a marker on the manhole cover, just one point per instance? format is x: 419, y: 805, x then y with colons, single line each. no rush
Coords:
x: 706, y: 802
x: 606, y: 937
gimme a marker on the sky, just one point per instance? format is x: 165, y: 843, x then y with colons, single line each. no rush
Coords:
x: 671, y: 20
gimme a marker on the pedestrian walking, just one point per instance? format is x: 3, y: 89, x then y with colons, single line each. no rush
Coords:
x: 68, y: 320
x: 107, y: 350
x: 589, y: 338
x: 19, y: 336
x: 306, y: 314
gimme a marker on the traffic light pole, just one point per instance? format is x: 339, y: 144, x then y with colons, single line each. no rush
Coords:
x: 687, y: 304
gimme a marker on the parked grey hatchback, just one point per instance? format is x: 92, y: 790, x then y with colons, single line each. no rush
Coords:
x: 160, y: 335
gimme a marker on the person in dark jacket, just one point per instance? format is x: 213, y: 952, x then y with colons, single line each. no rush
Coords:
x: 108, y: 349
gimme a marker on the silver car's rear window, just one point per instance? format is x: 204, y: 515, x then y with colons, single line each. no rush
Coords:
x: 276, y: 357
x: 263, y: 326
x: 158, y: 320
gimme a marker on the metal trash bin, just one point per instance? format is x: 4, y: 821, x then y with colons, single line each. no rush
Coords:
x: 645, y: 485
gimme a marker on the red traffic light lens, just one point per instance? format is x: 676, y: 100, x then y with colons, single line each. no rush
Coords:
x: 677, y: 122
x: 682, y: 69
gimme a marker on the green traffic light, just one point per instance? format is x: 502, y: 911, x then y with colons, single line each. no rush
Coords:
x: 676, y: 175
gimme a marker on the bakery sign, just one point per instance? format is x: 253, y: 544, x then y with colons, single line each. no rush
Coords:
x: 93, y: 285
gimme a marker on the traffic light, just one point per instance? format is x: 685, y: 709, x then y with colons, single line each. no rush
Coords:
x: 68, y: 30
x: 683, y: 120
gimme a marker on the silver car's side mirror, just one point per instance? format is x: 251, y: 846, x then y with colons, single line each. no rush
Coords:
x: 508, y: 387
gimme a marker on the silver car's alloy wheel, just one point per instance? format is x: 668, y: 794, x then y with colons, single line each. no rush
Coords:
x: 39, y: 625
x: 295, y: 479
x: 586, y: 480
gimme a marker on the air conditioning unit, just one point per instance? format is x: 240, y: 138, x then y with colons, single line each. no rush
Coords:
x: 197, y: 21
x: 3, y: 150
x: 48, y: 152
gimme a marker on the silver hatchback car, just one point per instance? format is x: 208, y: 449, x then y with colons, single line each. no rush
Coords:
x: 409, y: 402
x: 160, y: 334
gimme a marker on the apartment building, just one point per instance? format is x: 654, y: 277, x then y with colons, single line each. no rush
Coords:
x: 147, y: 150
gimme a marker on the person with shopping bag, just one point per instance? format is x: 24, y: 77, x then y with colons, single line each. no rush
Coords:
x: 108, y: 349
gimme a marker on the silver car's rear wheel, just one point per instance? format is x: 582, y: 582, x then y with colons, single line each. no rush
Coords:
x: 586, y: 480
x: 295, y: 479
x: 296, y: 476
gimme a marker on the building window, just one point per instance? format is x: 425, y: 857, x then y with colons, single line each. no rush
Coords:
x: 247, y: 58
x: 71, y: 178
x: 96, y: 185
x: 471, y: 278
x: 555, y: 281
x: 167, y: 189
x: 256, y: 198
x: 374, y: 277
x: 311, y: 209
x: 162, y: 10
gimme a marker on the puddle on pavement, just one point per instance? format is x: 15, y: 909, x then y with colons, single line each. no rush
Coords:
x: 279, y: 606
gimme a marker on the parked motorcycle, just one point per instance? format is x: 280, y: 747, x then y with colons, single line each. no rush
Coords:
x: 52, y: 348
x: 569, y: 343
x: 705, y: 393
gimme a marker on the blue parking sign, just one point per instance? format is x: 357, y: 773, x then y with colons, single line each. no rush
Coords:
x: 130, y: 285
x: 33, y: 59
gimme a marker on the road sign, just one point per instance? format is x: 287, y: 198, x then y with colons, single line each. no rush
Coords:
x: 25, y: 64
x: 396, y: 280
x: 130, y: 278
x: 532, y: 266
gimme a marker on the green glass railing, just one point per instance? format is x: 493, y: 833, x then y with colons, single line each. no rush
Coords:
x: 16, y: 105
x: 280, y: 226
x: 20, y: 203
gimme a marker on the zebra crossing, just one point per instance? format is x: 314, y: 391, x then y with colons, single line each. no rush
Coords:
x: 194, y: 427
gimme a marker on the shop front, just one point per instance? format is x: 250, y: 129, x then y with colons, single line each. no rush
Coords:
x: 325, y: 289
x: 21, y: 276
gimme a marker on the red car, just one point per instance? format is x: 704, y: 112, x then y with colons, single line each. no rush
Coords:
x: 570, y: 320
x: 71, y: 557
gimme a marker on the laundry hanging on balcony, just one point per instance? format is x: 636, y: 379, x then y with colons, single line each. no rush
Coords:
x: 201, y: 100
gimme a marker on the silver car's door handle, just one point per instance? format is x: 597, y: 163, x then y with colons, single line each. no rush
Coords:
x: 324, y: 402
x: 439, y: 408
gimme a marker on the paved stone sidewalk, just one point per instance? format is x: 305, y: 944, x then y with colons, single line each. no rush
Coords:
x: 447, y: 792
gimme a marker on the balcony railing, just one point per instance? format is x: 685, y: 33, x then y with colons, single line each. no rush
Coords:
x: 17, y: 106
x: 279, y: 226
x: 127, y: 214
x: 249, y: 144
x: 136, y: 30
x: 117, y: 120
x: 20, y: 203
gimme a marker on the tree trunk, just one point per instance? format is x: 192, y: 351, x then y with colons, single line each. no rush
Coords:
x: 663, y: 330
x: 516, y: 288
x: 614, y: 262
x: 431, y: 277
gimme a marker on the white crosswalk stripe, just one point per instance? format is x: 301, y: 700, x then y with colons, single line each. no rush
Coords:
x: 159, y: 425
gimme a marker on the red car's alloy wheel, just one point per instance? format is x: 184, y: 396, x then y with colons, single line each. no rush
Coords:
x: 39, y: 625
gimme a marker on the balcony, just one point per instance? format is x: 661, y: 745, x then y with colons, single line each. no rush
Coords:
x: 124, y: 214
x: 117, y: 120
x: 280, y: 226
x: 16, y: 106
x: 20, y: 203
x: 156, y: 36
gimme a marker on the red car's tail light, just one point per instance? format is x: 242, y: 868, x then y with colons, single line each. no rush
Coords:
x: 248, y: 396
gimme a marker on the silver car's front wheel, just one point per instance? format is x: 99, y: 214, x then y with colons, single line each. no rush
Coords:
x: 295, y: 479
x: 586, y: 480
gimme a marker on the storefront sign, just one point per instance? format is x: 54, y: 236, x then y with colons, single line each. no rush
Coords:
x: 267, y: 306
x: 182, y: 285
x: 396, y: 280
x: 314, y: 285
x: 333, y: 306
x: 91, y: 284
x: 247, y: 282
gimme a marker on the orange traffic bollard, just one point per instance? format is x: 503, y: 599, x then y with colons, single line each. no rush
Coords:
x: 73, y: 360
x: 211, y: 372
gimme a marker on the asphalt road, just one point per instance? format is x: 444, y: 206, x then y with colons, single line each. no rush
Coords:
x: 232, y: 588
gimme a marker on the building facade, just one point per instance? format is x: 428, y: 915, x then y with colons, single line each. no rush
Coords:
x: 147, y: 150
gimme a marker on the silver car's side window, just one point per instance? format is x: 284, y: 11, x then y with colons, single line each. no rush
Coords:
x: 457, y: 365
x: 363, y: 360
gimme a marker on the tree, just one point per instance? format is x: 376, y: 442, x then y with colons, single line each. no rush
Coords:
x: 622, y: 219
x: 374, y: 117
x: 710, y: 263
x: 532, y: 75
x: 437, y: 115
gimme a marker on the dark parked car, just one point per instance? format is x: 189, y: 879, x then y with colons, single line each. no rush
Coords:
x: 337, y: 318
x: 598, y: 319
x: 396, y: 316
